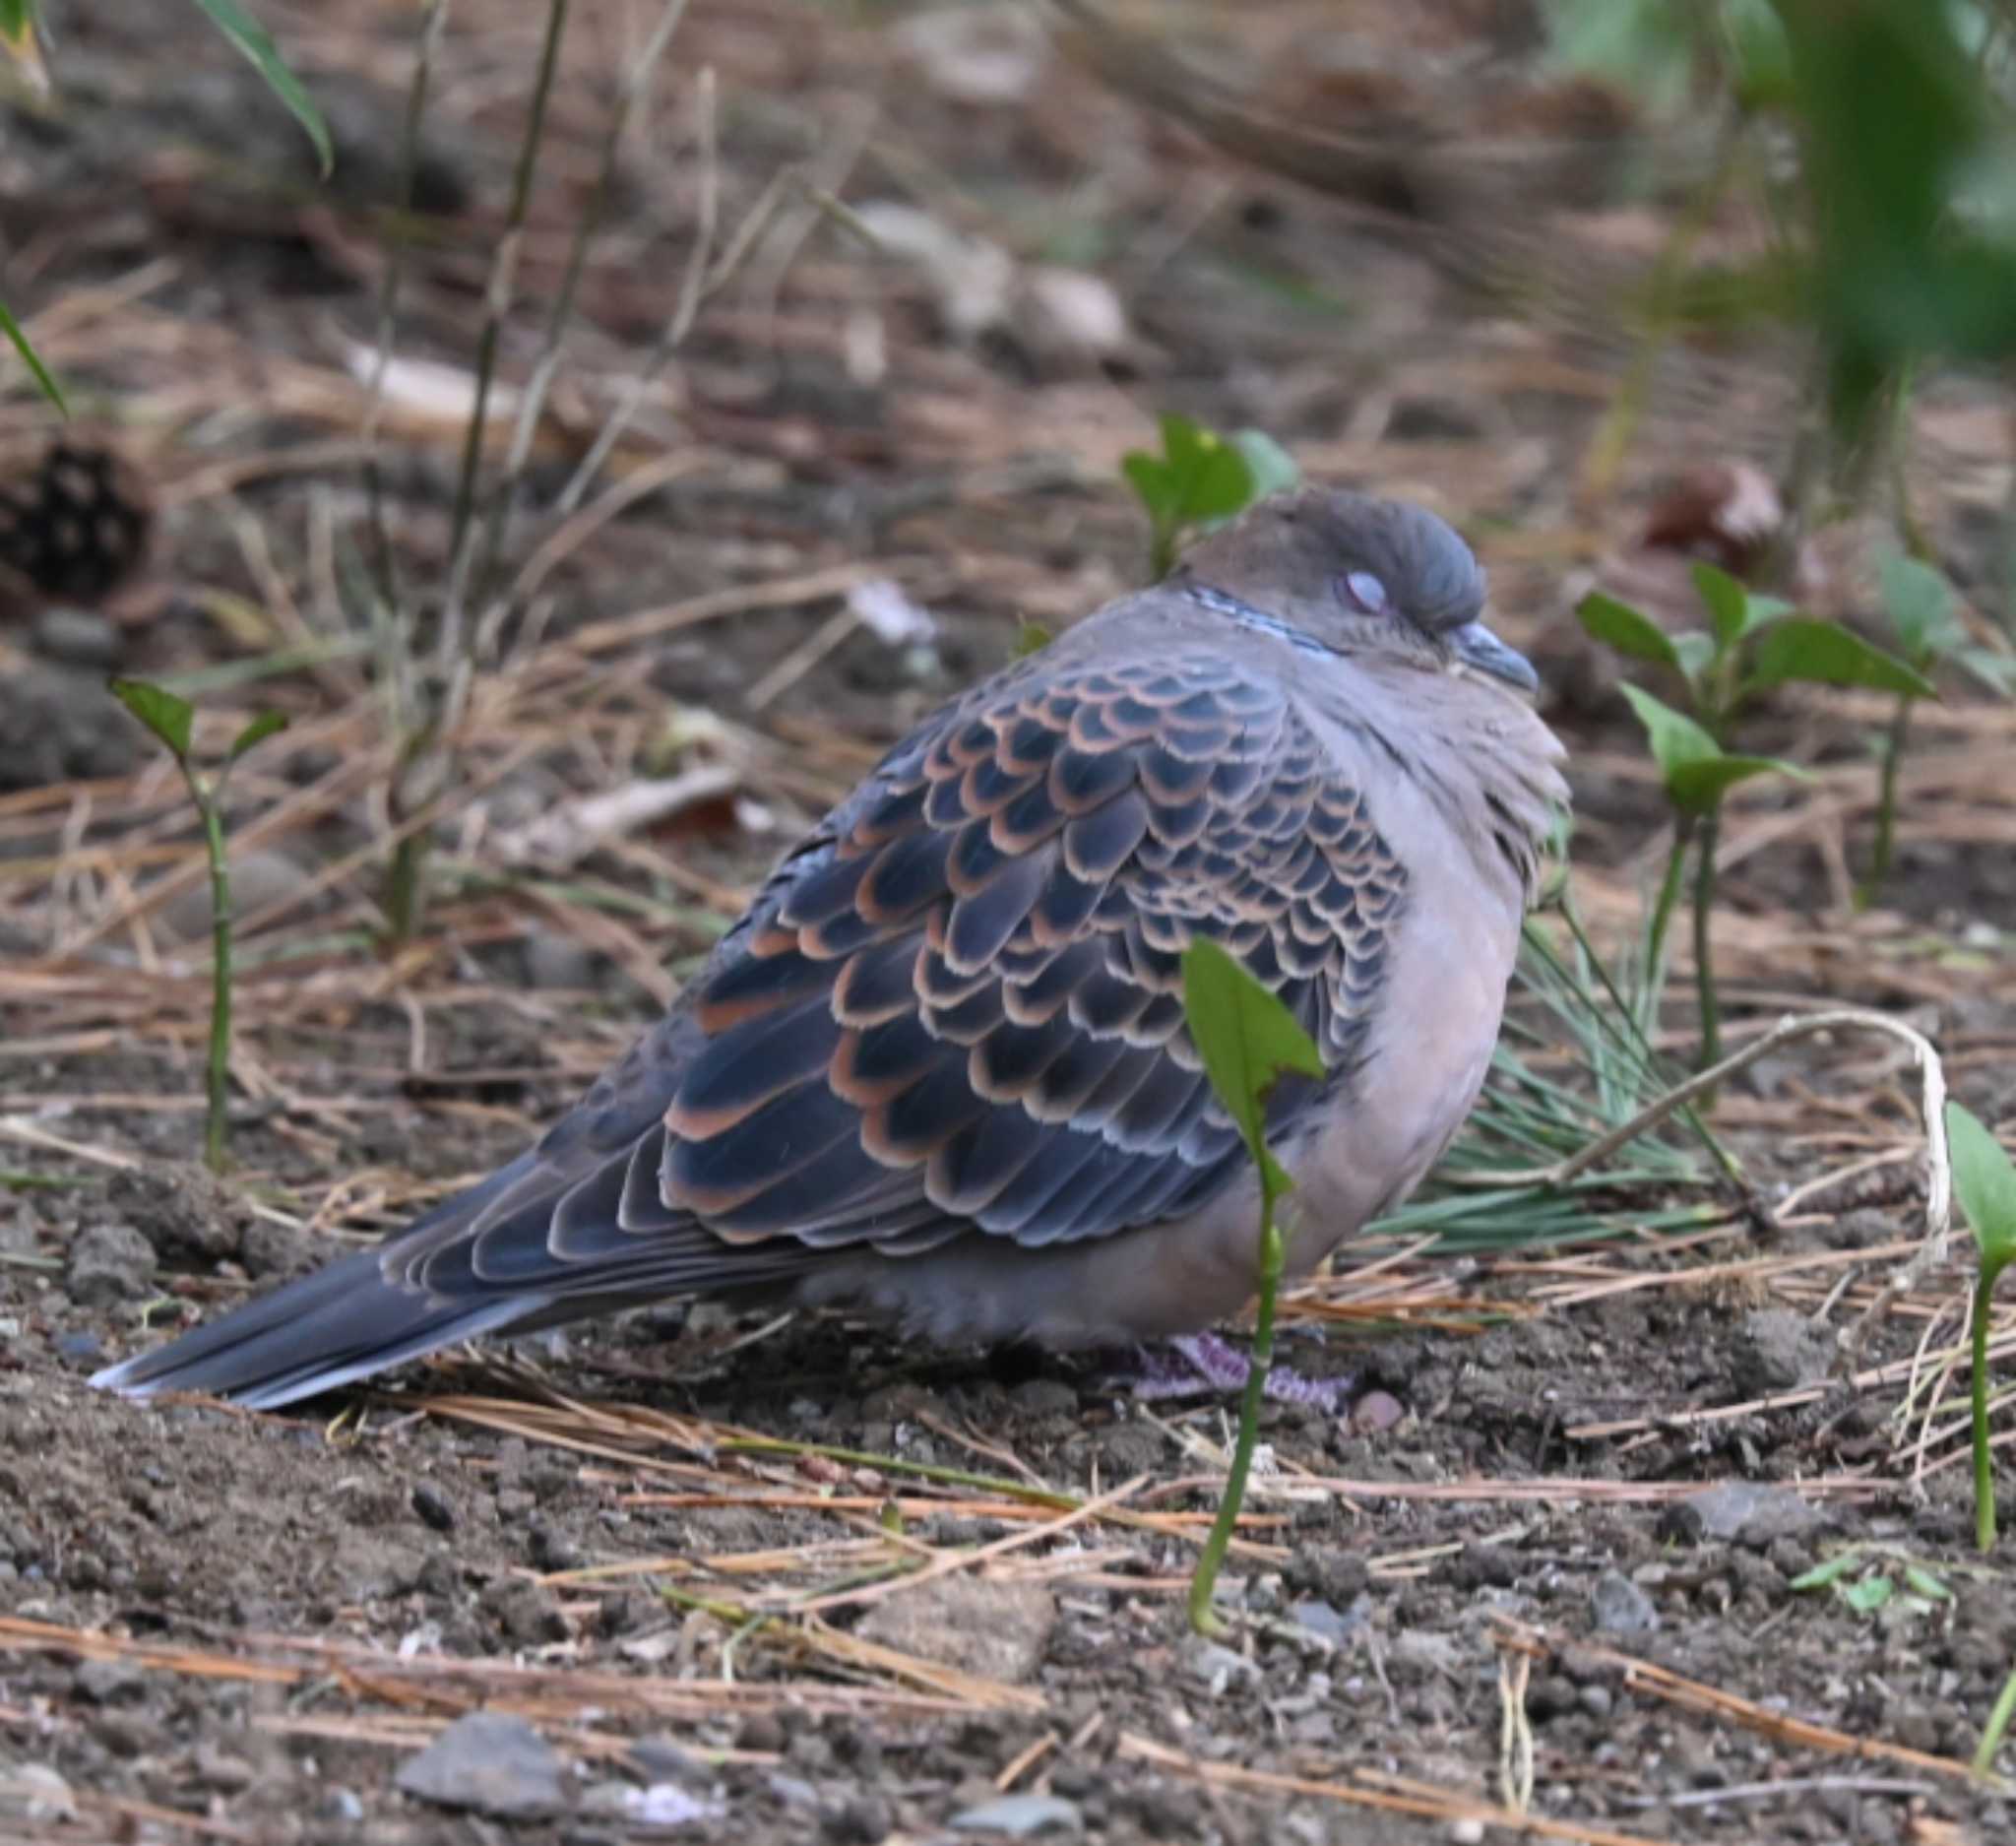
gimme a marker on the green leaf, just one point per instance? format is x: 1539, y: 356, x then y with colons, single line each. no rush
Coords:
x: 1271, y: 467
x: 1726, y: 600
x: 1822, y: 1574
x: 1214, y: 478
x: 1698, y: 787
x: 1985, y: 1181
x: 1154, y: 484
x: 1991, y: 668
x: 1869, y: 1595
x: 1630, y: 631
x: 1675, y: 739
x: 1029, y: 638
x: 266, y: 725
x: 1247, y: 1039
x: 169, y: 719
x: 1823, y: 652
x: 255, y: 43
x: 1919, y: 603
x: 32, y: 359
x: 1697, y: 654
x: 17, y: 20
x: 1926, y: 1584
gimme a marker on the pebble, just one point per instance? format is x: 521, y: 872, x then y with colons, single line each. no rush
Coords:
x: 1742, y: 1512
x: 996, y: 1630
x: 1021, y: 1817
x: 489, y: 1764
x: 432, y: 1508
x: 61, y: 726
x: 1216, y: 1667
x: 108, y: 1263
x: 1323, y: 1622
x: 78, y: 638
x: 1619, y: 1607
x: 84, y: 1349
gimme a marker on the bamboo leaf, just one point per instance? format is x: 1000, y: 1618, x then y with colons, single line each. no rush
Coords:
x: 255, y: 43
x: 33, y: 360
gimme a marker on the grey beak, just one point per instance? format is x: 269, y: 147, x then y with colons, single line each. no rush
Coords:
x: 1475, y: 645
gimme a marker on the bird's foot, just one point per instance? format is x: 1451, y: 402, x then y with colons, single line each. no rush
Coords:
x: 1203, y: 1364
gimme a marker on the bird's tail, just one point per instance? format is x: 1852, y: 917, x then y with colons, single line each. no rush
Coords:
x: 333, y: 1327
x: 329, y: 1328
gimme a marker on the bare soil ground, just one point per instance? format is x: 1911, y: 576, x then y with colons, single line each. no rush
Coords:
x: 738, y: 1581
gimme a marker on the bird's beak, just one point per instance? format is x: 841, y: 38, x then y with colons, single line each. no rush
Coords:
x: 1475, y: 645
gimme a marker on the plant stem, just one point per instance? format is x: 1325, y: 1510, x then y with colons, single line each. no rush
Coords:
x: 1704, y: 921
x: 1983, y: 1470
x: 1272, y: 1256
x: 1662, y: 919
x: 1996, y: 1728
x: 219, y: 970
x: 1886, y: 803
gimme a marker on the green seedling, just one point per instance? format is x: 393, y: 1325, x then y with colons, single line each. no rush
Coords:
x: 173, y: 721
x: 1926, y: 619
x: 1248, y: 1042
x: 1985, y: 1181
x: 1201, y: 479
x: 1753, y: 644
x: 1912, y: 1589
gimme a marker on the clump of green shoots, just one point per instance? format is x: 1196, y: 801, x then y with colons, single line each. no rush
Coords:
x: 1249, y: 1041
x: 1926, y: 619
x: 1201, y: 479
x: 173, y: 720
x: 1985, y: 1181
x: 1753, y: 643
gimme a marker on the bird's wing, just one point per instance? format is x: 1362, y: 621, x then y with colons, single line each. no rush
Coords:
x: 960, y: 1007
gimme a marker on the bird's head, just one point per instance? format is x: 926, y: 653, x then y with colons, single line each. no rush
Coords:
x: 1361, y: 576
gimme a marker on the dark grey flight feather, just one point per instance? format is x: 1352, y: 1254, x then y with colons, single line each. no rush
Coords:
x: 953, y: 1014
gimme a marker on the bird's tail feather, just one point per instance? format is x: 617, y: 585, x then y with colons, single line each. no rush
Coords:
x: 340, y: 1325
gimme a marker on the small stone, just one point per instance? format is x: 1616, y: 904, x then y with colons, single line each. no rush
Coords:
x: 1776, y: 1349
x: 109, y: 1682
x: 271, y: 1249
x: 1021, y: 1817
x: 491, y: 1763
x: 1216, y: 1667
x: 76, y: 637
x: 1597, y: 1700
x: 553, y: 960
x: 431, y: 1506
x: 761, y: 1734
x: 181, y: 1209
x: 527, y: 1614
x: 61, y: 727
x: 35, y: 1792
x: 1326, y: 1623
x: 996, y: 1631
x: 83, y: 1349
x: 342, y: 1806
x: 1617, y: 1606
x: 865, y: 1820
x: 550, y: 1550
x: 260, y: 879
x: 109, y: 1262
x: 1742, y: 1512
x: 218, y: 1769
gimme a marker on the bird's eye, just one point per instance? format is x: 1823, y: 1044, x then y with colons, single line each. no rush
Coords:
x: 1362, y: 591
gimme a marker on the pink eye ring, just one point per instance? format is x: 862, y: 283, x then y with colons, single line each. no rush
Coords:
x: 1364, y: 592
